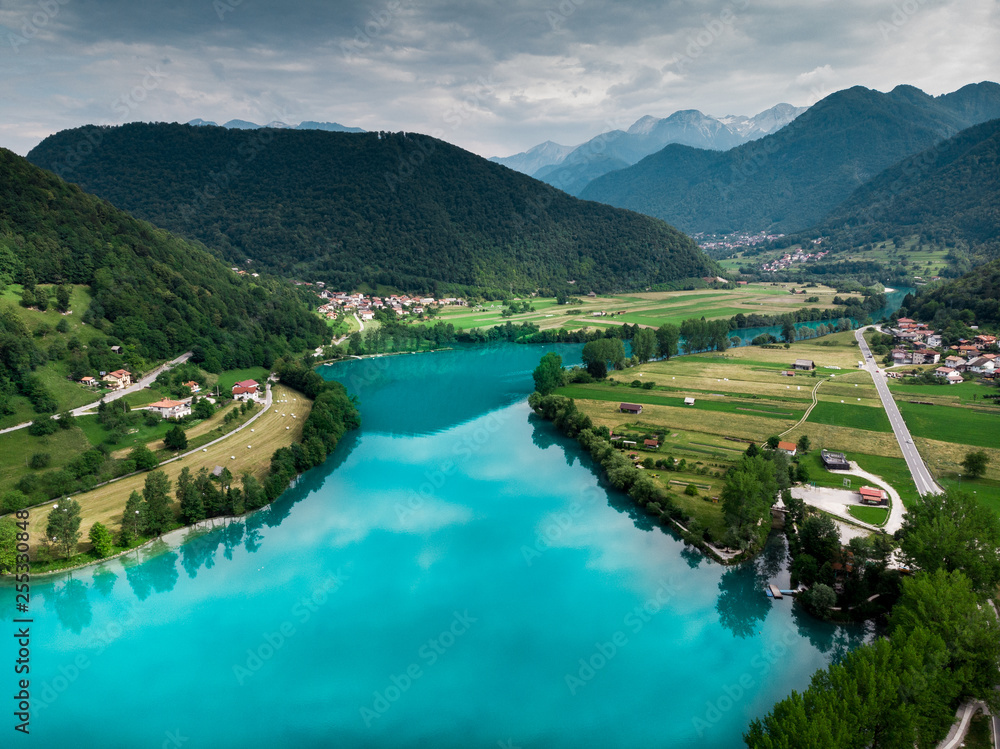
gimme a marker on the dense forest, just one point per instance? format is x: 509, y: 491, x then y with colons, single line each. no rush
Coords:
x: 948, y: 194
x: 790, y: 180
x: 152, y: 292
x: 394, y: 209
x: 973, y: 299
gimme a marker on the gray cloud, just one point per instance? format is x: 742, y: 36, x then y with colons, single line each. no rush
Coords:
x: 494, y: 77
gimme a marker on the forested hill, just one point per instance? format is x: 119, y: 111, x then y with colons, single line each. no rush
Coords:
x: 949, y: 193
x: 973, y: 299
x: 790, y: 180
x: 150, y: 289
x: 404, y: 210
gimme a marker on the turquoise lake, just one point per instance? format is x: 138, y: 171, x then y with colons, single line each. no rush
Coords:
x: 456, y: 575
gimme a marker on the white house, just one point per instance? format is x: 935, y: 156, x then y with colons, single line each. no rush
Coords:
x: 171, y: 409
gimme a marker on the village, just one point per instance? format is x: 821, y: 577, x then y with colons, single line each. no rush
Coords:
x: 364, y: 305
x: 918, y: 344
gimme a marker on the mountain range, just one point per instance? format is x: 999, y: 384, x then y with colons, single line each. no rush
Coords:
x: 949, y: 193
x: 334, y: 127
x: 791, y: 179
x: 572, y: 168
x: 403, y: 210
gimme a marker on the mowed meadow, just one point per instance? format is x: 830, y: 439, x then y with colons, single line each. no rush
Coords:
x: 651, y: 309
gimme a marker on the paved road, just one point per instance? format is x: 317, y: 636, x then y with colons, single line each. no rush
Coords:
x: 921, y: 476
x: 133, y: 388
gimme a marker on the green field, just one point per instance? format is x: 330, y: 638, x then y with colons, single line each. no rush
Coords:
x: 96, y: 434
x: 969, y: 392
x: 850, y: 415
x: 602, y: 392
x: 951, y: 424
x: 16, y: 448
x: 649, y: 308
x: 228, y: 379
x: 870, y: 515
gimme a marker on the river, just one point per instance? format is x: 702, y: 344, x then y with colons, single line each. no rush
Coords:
x: 456, y: 575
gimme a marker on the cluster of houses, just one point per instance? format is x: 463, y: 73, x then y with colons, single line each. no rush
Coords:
x: 916, y: 343
x: 735, y: 241
x: 364, y: 306
x: 790, y: 258
x: 178, y: 409
x: 117, y: 380
x: 241, y: 272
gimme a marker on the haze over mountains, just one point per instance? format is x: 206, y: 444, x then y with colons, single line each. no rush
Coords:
x: 789, y: 180
x: 334, y: 127
x: 403, y: 210
x: 572, y: 168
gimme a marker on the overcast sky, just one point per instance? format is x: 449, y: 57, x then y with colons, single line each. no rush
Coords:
x: 493, y: 77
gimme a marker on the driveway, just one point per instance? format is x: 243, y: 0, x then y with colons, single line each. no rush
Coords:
x: 133, y: 388
x: 836, y: 501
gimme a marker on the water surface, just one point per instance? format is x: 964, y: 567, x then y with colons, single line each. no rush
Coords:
x: 456, y: 575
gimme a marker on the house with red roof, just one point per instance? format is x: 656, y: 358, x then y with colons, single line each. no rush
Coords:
x: 246, y: 390
x: 788, y: 447
x: 872, y: 496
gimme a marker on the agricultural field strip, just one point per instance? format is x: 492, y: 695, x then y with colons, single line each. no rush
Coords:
x: 634, y: 395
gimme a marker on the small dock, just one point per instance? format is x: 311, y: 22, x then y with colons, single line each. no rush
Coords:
x: 774, y: 592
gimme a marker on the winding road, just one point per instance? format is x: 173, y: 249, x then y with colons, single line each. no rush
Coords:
x: 133, y: 388
x: 921, y: 476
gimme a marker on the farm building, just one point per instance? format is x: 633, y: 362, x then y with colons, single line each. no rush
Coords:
x: 630, y: 408
x: 872, y: 496
x: 804, y: 364
x: 787, y: 447
x: 834, y: 461
x: 651, y: 444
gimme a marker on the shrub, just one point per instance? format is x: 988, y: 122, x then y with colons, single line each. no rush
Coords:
x: 691, y: 490
x: 39, y: 460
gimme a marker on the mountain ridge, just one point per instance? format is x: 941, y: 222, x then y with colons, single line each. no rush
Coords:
x: 395, y: 209
x: 789, y: 180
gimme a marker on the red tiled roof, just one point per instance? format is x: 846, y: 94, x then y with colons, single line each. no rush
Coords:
x: 789, y: 446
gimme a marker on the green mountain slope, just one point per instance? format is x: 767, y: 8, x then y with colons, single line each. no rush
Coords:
x: 407, y: 211
x: 790, y: 180
x: 948, y: 193
x: 973, y: 299
x: 151, y: 292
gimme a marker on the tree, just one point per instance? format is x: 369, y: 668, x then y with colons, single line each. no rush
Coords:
x: 749, y: 492
x: 203, y: 409
x: 133, y: 523
x: 788, y: 331
x: 668, y: 338
x: 63, y: 294
x: 645, y: 345
x: 8, y: 544
x: 819, y: 599
x: 189, y: 498
x: 100, y: 537
x: 144, y: 458
x: 156, y: 502
x: 803, y: 443
x: 63, y: 527
x: 602, y: 354
x: 773, y: 441
x: 820, y: 538
x: 13, y: 501
x: 175, y: 439
x: 953, y: 532
x: 253, y: 493
x: 946, y: 604
x: 752, y: 450
x: 975, y: 463
x: 548, y: 374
